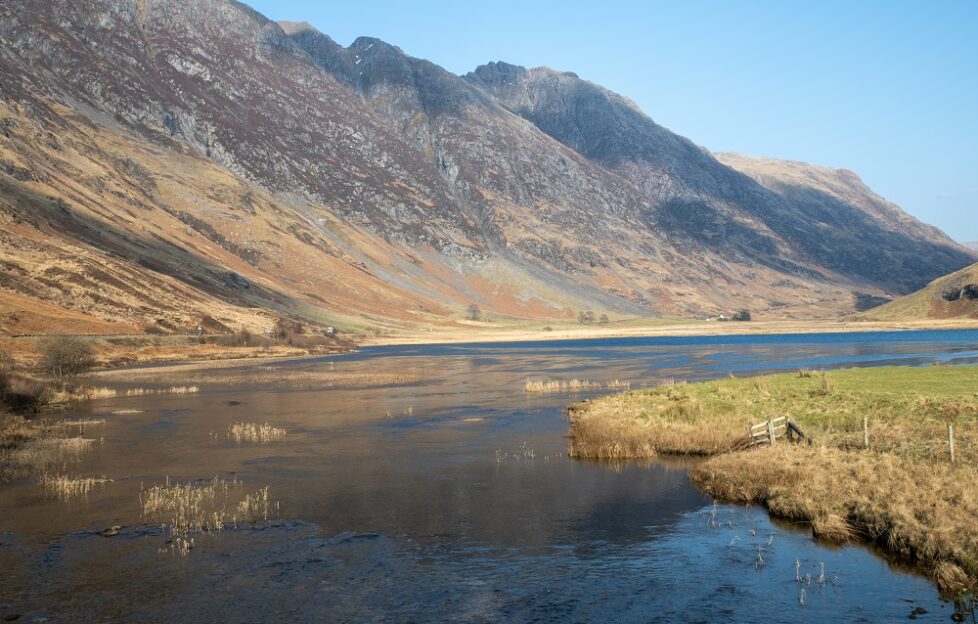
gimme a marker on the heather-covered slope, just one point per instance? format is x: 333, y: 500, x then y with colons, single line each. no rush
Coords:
x: 165, y: 162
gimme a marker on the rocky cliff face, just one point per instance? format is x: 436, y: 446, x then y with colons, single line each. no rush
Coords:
x: 259, y: 169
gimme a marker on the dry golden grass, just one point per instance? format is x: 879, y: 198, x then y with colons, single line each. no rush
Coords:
x: 87, y: 393
x: 36, y: 447
x: 313, y: 378
x: 572, y: 385
x: 66, y: 488
x: 255, y: 432
x: 902, y: 493
x: 190, y: 508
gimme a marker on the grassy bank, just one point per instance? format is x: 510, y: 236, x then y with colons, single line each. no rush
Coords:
x: 902, y: 493
x: 111, y: 352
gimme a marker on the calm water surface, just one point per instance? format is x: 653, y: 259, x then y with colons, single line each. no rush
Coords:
x: 446, y: 500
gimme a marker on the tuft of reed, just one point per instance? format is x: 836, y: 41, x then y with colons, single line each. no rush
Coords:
x: 66, y: 488
x: 572, y: 385
x: 547, y: 387
x: 255, y: 432
x: 34, y: 447
x: 187, y: 509
x: 100, y: 392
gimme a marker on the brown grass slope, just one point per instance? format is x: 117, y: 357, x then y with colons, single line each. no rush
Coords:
x: 901, y: 493
x: 954, y: 296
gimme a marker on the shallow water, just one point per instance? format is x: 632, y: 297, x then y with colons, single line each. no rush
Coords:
x: 448, y: 499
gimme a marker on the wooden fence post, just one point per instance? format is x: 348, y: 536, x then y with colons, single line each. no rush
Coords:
x: 770, y: 431
x: 950, y: 439
x: 865, y: 431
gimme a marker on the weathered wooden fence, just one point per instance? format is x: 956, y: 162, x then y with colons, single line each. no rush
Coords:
x: 769, y: 431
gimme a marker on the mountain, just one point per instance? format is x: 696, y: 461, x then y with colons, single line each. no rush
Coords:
x: 166, y: 163
x: 972, y: 245
x: 952, y: 296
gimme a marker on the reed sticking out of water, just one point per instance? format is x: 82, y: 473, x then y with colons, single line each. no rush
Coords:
x: 573, y: 385
x: 255, y: 432
x: 109, y: 393
x: 66, y: 488
x: 185, y: 510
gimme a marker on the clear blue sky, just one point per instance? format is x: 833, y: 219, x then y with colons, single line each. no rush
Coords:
x: 887, y: 89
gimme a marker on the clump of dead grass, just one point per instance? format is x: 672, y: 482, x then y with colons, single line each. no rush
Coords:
x: 255, y: 432
x: 89, y: 393
x: 66, y: 488
x: 556, y: 385
x: 920, y: 511
x: 313, y: 379
x: 186, y: 509
x: 34, y: 447
x: 572, y: 385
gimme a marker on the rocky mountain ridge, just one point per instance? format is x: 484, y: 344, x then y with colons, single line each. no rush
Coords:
x: 259, y: 169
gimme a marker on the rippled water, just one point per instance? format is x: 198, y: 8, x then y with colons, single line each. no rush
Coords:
x: 450, y: 499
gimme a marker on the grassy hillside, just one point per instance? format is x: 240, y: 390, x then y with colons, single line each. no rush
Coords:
x: 952, y: 296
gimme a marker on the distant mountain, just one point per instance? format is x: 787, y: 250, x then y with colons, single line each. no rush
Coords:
x: 952, y: 296
x: 972, y: 245
x: 169, y: 162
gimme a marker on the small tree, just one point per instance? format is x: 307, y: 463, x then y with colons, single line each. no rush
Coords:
x: 473, y: 313
x: 66, y: 357
x: 286, y: 328
x: 603, y: 320
x: 743, y: 315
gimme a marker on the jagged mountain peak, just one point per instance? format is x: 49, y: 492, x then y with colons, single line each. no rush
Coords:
x: 292, y: 28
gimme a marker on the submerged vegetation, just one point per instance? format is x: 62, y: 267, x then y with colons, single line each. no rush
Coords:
x: 879, y: 467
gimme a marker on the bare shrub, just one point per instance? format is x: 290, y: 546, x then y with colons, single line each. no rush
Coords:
x: 66, y: 357
x: 22, y: 394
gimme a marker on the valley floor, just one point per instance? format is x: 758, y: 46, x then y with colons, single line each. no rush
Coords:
x: 528, y: 331
x: 901, y: 493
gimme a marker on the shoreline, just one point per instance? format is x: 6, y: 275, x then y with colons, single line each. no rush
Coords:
x: 171, y: 366
x: 486, y: 335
